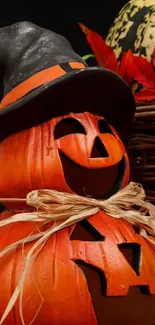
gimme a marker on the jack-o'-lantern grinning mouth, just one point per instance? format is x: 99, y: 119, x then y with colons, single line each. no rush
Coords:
x: 98, y: 183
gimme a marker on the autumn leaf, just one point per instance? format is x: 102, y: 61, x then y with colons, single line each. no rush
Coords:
x: 104, y: 54
x: 126, y: 67
x: 145, y: 95
x: 133, y: 69
x: 143, y: 73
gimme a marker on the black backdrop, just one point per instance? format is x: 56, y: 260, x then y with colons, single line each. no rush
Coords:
x: 63, y: 16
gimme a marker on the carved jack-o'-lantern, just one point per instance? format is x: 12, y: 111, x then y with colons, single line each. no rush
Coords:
x: 77, y: 153
x: 100, y: 272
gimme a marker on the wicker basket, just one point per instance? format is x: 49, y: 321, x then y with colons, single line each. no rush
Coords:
x: 141, y: 149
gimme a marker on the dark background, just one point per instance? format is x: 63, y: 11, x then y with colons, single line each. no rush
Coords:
x: 63, y: 16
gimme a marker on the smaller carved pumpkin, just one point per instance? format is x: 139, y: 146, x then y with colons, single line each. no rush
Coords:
x: 77, y: 153
x: 134, y: 28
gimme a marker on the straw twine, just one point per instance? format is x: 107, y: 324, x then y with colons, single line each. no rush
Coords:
x: 65, y: 209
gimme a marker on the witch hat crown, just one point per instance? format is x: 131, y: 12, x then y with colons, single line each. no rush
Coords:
x: 44, y: 78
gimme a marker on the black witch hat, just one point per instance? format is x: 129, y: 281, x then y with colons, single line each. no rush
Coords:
x: 44, y: 78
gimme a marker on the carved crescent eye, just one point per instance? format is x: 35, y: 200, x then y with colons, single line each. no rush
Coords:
x: 104, y: 127
x: 68, y: 126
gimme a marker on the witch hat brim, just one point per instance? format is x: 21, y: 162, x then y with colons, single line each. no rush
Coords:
x: 92, y: 89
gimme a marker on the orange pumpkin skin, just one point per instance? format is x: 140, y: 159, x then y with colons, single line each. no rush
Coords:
x: 61, y: 152
x: 66, y: 273
x: 66, y: 270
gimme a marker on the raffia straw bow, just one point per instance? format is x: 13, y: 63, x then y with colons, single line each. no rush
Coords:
x: 65, y: 209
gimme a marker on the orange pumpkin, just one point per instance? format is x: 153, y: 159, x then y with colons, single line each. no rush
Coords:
x: 77, y: 153
x: 98, y: 272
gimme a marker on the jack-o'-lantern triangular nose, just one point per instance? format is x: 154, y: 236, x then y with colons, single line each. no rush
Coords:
x: 99, y: 150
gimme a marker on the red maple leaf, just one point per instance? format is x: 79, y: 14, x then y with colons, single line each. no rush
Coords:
x: 144, y: 73
x: 145, y: 95
x: 131, y: 68
x: 104, y: 54
x: 126, y: 67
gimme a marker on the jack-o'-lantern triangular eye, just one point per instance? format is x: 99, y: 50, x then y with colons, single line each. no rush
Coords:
x: 104, y: 127
x: 99, y: 150
x: 68, y: 126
